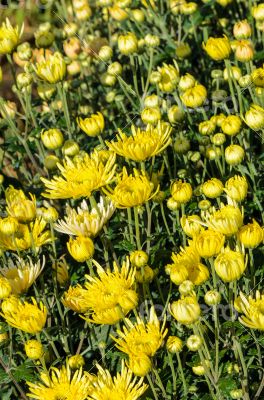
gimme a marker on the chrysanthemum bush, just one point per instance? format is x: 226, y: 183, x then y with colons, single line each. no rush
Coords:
x: 131, y: 230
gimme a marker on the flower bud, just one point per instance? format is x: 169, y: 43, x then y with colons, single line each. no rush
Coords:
x: 186, y: 288
x: 105, y: 53
x: 151, y: 115
x: 231, y: 125
x: 151, y: 101
x: 117, y: 13
x: 174, y: 344
x: 212, y: 297
x: 34, y: 349
x: 181, y: 191
x: 92, y: 126
x: 152, y: 40
x: 218, y: 139
x: 144, y: 275
x: 81, y: 248
x: 244, y: 51
x: 201, y: 368
x: 186, y: 310
x: 244, y: 81
x: 172, y: 204
x: 186, y: 82
x: 169, y: 78
x: 229, y: 265
x: 194, y: 342
x: 52, y: 139
x: 206, y: 127
x: 212, y: 188
x: 181, y: 145
x: 204, y: 205
x: 236, y: 394
x: 108, y: 79
x: 209, y: 243
x: 258, y: 77
x: 183, y: 50
x: 138, y: 15
x: 236, y: 188
x: 140, y: 365
x: 127, y: 44
x: 50, y: 214
x: 70, y: 148
x: 191, y: 224
x: 176, y: 114
x: 115, y: 68
x: 218, y: 48
x: 178, y: 273
x: 234, y: 154
x: 76, y: 361
x: 44, y: 39
x: 8, y: 226
x: 51, y: 161
x: 242, y: 30
x: 194, y: 97
x: 251, y: 235
x: 189, y: 8
x: 139, y: 258
x: 23, y: 80
x: 155, y: 77
x: 254, y: 117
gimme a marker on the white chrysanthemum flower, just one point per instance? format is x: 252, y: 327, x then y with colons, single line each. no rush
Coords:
x: 21, y: 274
x: 85, y: 222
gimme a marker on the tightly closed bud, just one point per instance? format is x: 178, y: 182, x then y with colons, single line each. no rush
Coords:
x: 186, y: 311
x: 140, y: 365
x: 50, y: 214
x: 52, y: 139
x: 3, y: 337
x: 194, y: 97
x: 24, y: 51
x: 151, y: 115
x: 144, y: 274
x: 231, y: 125
x: 155, y: 77
x: 34, y: 349
x: 236, y: 394
x: 127, y: 44
x: 70, y: 148
x: 108, y: 79
x: 51, y: 162
x: 92, y: 126
x: 183, y: 50
x: 9, y: 109
x: 201, y: 368
x: 245, y: 81
x: 212, y: 297
x: 172, y: 204
x: 218, y: 139
x: 242, y: 30
x: 117, y: 13
x: 115, y: 68
x: 186, y: 82
x: 5, y: 288
x: 234, y: 154
x: 212, y: 152
x: 233, y: 72
x: 152, y: 40
x: 186, y: 288
x: 209, y: 243
x: 70, y: 29
x: 258, y: 12
x: 139, y: 258
x: 251, y: 235
x: 254, y: 117
x: 194, y: 342
x: 151, y: 101
x: 44, y: 39
x: 74, y: 68
x: 244, y: 51
x: 189, y: 8
x: 105, y: 53
x: 229, y: 265
x: 174, y: 344
x: 191, y: 225
x: 23, y: 80
x: 81, y: 248
x: 182, y: 145
x: 76, y: 361
x: 212, y: 188
x: 138, y: 15
x: 258, y: 77
x: 8, y: 225
x: 236, y: 188
x: 181, y: 191
x: 176, y: 114
x: 206, y: 127
x: 218, y: 48
x: 204, y: 205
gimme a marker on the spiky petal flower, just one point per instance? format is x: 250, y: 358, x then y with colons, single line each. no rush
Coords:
x: 25, y: 316
x: 82, y: 222
x: 80, y: 177
x: 123, y: 385
x: 110, y: 296
x: 141, y: 339
x: 9, y: 37
x: 131, y: 190
x: 19, y: 206
x: 22, y: 273
x: 51, y: 68
x: 227, y: 220
x: 61, y: 384
x: 142, y: 144
x: 253, y: 310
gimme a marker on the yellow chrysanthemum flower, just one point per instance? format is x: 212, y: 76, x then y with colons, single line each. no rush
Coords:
x: 83, y: 222
x: 25, y: 316
x: 75, y: 299
x: 142, y: 144
x: 131, y: 191
x: 93, y: 125
x: 51, y: 68
x: 22, y: 273
x: 253, y: 310
x: 18, y: 206
x: 110, y: 296
x: 80, y: 176
x: 26, y: 236
x: 9, y: 37
x: 122, y: 386
x: 62, y: 384
x: 227, y: 220
x: 140, y: 338
x: 187, y: 310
